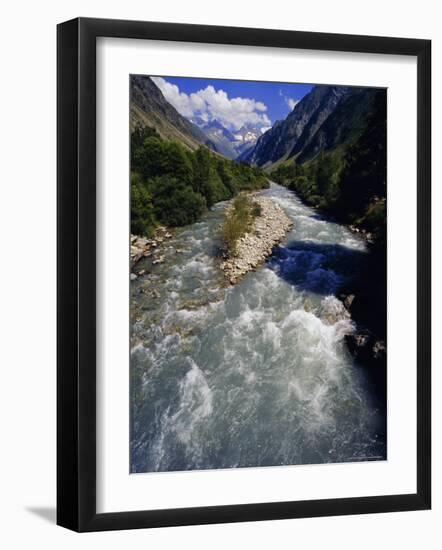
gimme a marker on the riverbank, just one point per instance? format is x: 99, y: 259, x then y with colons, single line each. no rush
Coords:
x: 227, y: 365
x: 366, y: 299
x: 142, y: 247
x: 267, y: 230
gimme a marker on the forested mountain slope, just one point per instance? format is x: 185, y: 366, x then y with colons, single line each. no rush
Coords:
x: 297, y: 129
x: 343, y: 168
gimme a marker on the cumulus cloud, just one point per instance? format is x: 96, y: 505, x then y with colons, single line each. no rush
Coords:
x: 209, y: 104
x: 264, y: 129
x: 291, y: 103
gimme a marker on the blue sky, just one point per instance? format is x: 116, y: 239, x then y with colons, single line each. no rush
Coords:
x: 232, y: 102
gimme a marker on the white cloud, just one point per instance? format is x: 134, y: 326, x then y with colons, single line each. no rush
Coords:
x: 210, y: 104
x: 291, y: 103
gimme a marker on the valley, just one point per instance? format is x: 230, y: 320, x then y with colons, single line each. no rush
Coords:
x: 258, y: 285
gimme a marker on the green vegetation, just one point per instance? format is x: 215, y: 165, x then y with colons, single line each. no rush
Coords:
x: 141, y: 207
x: 173, y: 186
x: 237, y: 222
x: 347, y: 182
x: 317, y: 182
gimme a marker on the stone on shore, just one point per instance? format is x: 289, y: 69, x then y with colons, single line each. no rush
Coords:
x: 142, y: 247
x: 268, y: 229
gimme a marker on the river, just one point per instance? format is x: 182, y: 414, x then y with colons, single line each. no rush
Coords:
x: 257, y: 374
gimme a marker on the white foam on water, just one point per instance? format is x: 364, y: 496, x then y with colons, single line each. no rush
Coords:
x: 195, y: 404
x: 258, y: 376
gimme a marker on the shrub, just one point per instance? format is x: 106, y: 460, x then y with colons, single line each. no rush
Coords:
x: 237, y: 222
x: 175, y: 185
x: 142, y: 212
x: 175, y: 203
x: 256, y: 210
x: 232, y: 230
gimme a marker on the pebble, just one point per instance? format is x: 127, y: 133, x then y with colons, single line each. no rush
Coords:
x: 142, y: 247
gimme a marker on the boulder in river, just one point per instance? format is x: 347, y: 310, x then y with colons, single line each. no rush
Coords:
x: 142, y: 247
x: 333, y: 310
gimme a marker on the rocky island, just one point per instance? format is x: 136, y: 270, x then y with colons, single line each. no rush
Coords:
x: 266, y: 229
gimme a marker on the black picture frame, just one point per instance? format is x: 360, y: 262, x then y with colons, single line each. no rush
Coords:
x: 76, y: 274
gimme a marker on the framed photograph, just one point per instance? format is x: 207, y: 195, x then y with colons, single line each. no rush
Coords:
x: 243, y: 274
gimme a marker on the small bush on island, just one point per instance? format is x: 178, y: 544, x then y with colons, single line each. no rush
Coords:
x: 173, y: 186
x: 237, y: 222
x: 256, y: 210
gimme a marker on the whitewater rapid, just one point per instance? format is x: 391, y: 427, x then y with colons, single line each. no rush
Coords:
x: 257, y: 374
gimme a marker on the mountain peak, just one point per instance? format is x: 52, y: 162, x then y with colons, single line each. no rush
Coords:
x: 299, y: 126
x: 214, y: 123
x: 230, y: 143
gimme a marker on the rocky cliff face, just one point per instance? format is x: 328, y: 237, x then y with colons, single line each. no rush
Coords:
x: 343, y: 124
x: 288, y: 137
x: 148, y: 107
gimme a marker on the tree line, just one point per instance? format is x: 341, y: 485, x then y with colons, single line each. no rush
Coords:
x: 173, y: 186
x: 348, y: 182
